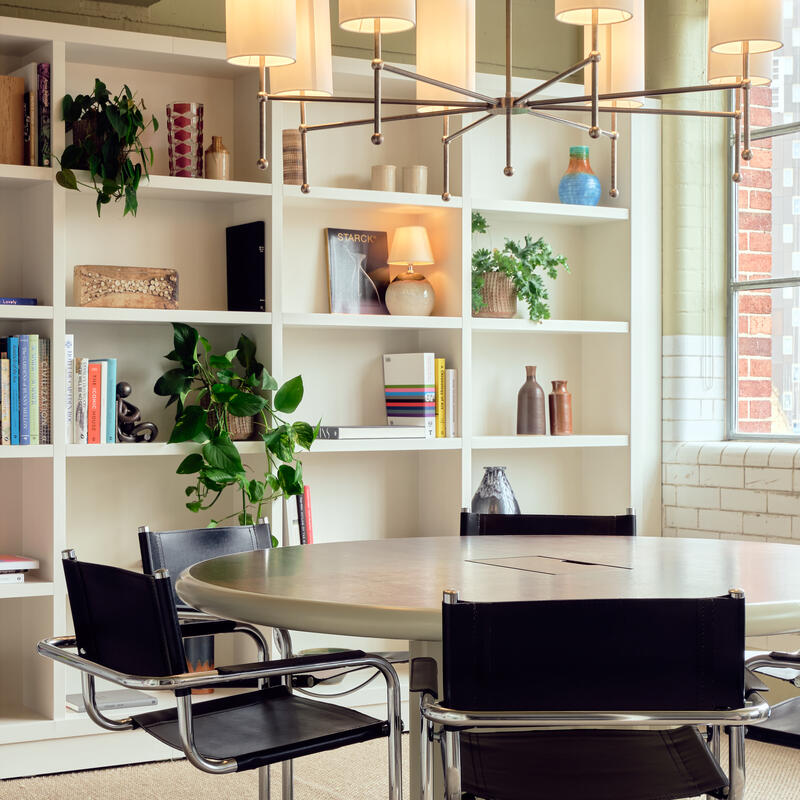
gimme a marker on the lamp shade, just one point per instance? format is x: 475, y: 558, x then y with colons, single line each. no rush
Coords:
x: 360, y: 15
x: 579, y: 12
x: 312, y: 73
x: 411, y: 245
x: 734, y: 23
x: 727, y: 68
x: 445, y: 48
x: 621, y: 68
x: 256, y: 29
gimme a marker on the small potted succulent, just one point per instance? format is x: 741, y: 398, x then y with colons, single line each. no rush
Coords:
x: 106, y: 134
x: 500, y: 277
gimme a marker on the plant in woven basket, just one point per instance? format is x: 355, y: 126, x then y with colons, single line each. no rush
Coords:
x: 106, y: 132
x: 211, y: 390
x: 524, y: 263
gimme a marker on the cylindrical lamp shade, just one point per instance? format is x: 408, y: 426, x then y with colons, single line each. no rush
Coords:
x: 445, y: 48
x: 360, y: 16
x: 579, y: 12
x: 312, y: 73
x: 727, y: 68
x: 256, y: 29
x: 410, y: 246
x: 621, y: 67
x: 734, y: 23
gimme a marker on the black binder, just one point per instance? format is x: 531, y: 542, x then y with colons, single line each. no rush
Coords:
x: 246, y: 247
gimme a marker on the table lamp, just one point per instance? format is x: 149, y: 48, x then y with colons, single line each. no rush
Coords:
x: 410, y: 294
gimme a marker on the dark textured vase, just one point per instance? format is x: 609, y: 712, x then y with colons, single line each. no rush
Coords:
x: 531, y: 417
x: 495, y: 495
x: 560, y: 410
x: 579, y: 186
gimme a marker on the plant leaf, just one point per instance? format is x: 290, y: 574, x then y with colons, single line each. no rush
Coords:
x: 222, y: 392
x: 244, y: 404
x: 67, y: 179
x: 288, y: 397
x: 171, y: 383
x: 290, y: 479
x: 221, y: 453
x: 191, y: 464
x: 280, y: 442
x: 304, y: 434
x: 195, y: 505
x: 186, y: 338
x: 189, y: 424
x: 268, y: 383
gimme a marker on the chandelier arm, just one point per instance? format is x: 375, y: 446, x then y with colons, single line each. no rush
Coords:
x: 467, y: 128
x: 387, y: 101
x: 613, y: 191
x: 663, y: 112
x: 594, y: 130
x: 570, y: 122
x: 706, y: 87
x: 326, y: 126
x: 737, y: 133
x: 446, y: 159
x: 555, y: 79
x: 262, y: 162
x: 414, y: 76
x: 508, y: 171
x: 304, y: 187
x: 747, y: 152
x: 377, y: 69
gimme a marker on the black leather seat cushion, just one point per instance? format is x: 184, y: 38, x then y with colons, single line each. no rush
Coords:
x: 782, y: 727
x: 590, y: 764
x: 265, y: 727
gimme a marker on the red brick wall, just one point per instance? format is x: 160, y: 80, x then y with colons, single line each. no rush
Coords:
x: 755, y: 261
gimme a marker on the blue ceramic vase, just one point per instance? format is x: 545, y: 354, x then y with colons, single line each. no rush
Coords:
x: 579, y: 186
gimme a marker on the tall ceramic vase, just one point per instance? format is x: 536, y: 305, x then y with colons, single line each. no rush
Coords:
x: 531, y: 417
x: 185, y: 139
x: 495, y: 495
x: 560, y: 410
x: 579, y: 185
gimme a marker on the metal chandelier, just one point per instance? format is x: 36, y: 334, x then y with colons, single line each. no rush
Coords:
x: 292, y: 40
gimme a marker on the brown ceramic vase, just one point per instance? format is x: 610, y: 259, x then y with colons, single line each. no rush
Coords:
x: 531, y: 418
x: 560, y: 410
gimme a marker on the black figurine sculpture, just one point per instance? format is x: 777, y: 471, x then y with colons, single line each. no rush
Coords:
x: 130, y: 427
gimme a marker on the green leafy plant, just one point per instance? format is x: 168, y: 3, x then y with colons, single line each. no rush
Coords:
x: 106, y: 133
x: 520, y: 262
x: 206, y: 388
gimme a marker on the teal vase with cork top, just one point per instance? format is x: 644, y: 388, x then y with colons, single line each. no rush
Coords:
x: 579, y: 185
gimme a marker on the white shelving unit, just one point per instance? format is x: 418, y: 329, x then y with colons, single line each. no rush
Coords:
x: 604, y: 337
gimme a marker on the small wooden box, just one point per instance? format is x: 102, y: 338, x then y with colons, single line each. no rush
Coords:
x: 12, y: 120
x: 125, y: 287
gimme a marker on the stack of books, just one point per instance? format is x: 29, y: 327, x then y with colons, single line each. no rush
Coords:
x: 91, y: 394
x: 14, y: 568
x: 25, y: 390
x: 25, y: 105
x: 297, y: 526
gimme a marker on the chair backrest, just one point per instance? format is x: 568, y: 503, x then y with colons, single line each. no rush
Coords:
x: 124, y: 620
x: 594, y: 655
x: 177, y: 550
x: 546, y: 524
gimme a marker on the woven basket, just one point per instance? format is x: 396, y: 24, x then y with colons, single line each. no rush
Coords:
x: 499, y: 295
x: 239, y: 428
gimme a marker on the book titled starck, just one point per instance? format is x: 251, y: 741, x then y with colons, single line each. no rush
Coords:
x: 410, y: 388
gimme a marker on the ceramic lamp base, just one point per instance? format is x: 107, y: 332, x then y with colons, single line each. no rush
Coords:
x: 410, y: 295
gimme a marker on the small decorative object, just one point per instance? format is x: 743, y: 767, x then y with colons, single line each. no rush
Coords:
x: 185, y: 139
x: 560, y: 410
x: 358, y: 271
x: 384, y: 178
x: 218, y: 160
x: 495, y: 495
x: 415, y: 179
x: 199, y: 652
x: 125, y: 287
x: 130, y: 427
x: 499, y: 277
x: 106, y: 132
x: 292, y: 157
x: 410, y: 294
x: 579, y: 185
x: 531, y: 417
x: 206, y: 390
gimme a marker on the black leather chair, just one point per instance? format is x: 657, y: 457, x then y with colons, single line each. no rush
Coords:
x: 546, y: 524
x: 783, y: 726
x: 127, y: 632
x: 589, y: 683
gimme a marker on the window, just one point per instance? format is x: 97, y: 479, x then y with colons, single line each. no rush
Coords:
x: 764, y: 374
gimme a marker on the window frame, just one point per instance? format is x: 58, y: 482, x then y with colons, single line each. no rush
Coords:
x: 735, y: 286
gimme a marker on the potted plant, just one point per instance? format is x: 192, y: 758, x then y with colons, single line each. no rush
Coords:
x: 208, y: 390
x: 106, y: 132
x: 500, y: 277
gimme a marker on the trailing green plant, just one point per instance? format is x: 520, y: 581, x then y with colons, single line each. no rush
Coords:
x: 520, y: 262
x: 206, y: 388
x: 106, y: 133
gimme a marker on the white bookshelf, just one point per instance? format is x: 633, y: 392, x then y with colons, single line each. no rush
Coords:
x: 604, y: 337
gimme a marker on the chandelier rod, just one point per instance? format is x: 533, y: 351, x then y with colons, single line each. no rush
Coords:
x: 396, y: 101
x: 415, y: 76
x: 567, y: 73
x: 395, y: 118
x: 612, y: 134
x: 705, y: 87
x: 509, y: 169
x: 666, y: 112
x: 459, y: 133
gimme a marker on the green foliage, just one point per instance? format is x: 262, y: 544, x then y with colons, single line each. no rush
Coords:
x: 115, y: 126
x: 520, y: 262
x: 205, y: 389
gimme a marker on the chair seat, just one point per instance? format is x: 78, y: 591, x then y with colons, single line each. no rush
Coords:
x: 582, y: 764
x: 265, y: 727
x: 782, y: 727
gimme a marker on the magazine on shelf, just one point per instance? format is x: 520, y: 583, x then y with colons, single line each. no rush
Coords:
x: 350, y: 432
x: 410, y: 389
x: 12, y: 563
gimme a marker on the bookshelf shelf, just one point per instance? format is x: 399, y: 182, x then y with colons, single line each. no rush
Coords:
x: 383, y: 446
x: 27, y: 451
x: 166, y: 316
x: 553, y: 213
x: 396, y: 202
x: 30, y: 588
x: 25, y: 312
x: 15, y: 176
x: 481, y: 325
x: 147, y: 449
x: 547, y: 442
x: 292, y: 320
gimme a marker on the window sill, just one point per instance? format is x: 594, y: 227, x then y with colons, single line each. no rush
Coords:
x: 739, y: 452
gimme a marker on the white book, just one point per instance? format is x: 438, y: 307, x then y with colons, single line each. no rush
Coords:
x: 33, y: 367
x: 410, y: 390
x: 370, y: 432
x: 12, y: 577
x: 69, y: 371
x: 451, y: 408
x: 103, y: 399
x: 291, y: 523
x: 11, y: 563
x: 81, y: 395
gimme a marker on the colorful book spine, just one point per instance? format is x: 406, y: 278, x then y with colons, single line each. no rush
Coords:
x: 440, y: 398
x: 301, y: 518
x: 33, y: 150
x: 33, y: 390
x: 410, y: 390
x: 24, y: 390
x: 69, y: 387
x: 45, y: 433
x: 13, y: 362
x: 17, y: 301
x: 94, y: 407
x: 5, y: 401
x: 111, y: 400
x: 27, y: 133
x: 81, y: 394
x: 450, y: 395
x: 307, y: 508
x: 43, y: 72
